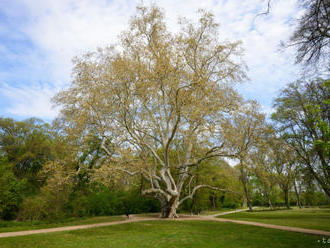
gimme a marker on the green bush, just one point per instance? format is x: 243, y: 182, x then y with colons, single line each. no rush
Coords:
x: 33, y: 208
x: 102, y: 201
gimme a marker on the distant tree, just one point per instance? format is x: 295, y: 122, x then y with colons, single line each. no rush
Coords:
x: 284, y: 164
x: 303, y: 118
x: 26, y: 144
x: 157, y: 93
x: 262, y: 165
x: 242, y: 132
x: 297, y: 185
x: 220, y: 174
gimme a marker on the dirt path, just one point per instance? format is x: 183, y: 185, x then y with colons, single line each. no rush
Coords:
x: 228, y: 212
x: 278, y: 227
x: 70, y: 228
x: 182, y: 218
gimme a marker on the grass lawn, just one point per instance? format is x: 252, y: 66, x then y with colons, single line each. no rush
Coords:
x: 13, y: 226
x: 167, y: 234
x: 312, y: 218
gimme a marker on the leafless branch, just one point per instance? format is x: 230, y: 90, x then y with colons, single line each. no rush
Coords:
x: 268, y: 9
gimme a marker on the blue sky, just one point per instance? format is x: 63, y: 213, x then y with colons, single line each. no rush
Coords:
x: 38, y: 39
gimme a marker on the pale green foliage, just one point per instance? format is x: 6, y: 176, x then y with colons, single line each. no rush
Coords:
x: 153, y: 93
x: 49, y: 203
x: 243, y: 133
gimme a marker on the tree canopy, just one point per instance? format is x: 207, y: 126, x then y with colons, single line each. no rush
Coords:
x: 303, y: 116
x: 312, y: 35
x: 155, y: 93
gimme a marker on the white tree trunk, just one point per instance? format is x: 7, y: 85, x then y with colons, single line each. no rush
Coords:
x: 169, y: 208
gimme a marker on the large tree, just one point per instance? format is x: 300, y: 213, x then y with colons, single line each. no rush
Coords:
x: 154, y: 94
x: 303, y: 118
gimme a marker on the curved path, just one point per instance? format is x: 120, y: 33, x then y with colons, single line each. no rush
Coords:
x: 182, y: 218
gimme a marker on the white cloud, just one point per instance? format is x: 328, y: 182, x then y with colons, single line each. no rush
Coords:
x: 33, y: 100
x: 61, y: 29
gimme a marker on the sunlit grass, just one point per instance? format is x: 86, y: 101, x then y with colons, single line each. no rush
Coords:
x: 165, y: 234
x: 12, y: 226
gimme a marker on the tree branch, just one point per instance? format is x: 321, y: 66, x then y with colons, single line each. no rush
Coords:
x: 153, y: 190
x: 104, y: 148
x: 208, y: 155
x: 128, y: 172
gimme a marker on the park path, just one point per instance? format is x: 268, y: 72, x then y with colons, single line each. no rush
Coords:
x: 70, y: 228
x: 212, y: 217
x: 278, y: 227
x: 227, y: 212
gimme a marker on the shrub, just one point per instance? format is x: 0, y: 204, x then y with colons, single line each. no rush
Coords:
x: 33, y: 208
